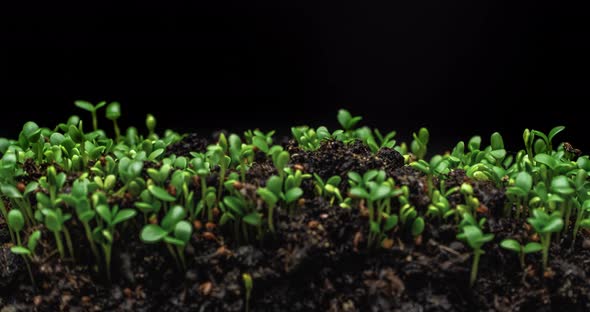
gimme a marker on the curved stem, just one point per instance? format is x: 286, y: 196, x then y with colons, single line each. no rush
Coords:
x: 476, y: 254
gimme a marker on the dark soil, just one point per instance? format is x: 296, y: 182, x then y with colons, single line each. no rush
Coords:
x: 317, y: 260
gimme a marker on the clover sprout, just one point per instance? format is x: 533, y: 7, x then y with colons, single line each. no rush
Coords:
x: 475, y: 238
x: 545, y: 224
x: 87, y: 106
x: 521, y: 250
x: 28, y: 252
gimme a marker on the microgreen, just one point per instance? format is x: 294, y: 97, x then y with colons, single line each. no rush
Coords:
x: 248, y: 285
x: 105, y: 235
x: 545, y: 224
x: 150, y: 123
x: 420, y: 142
x: 87, y: 106
x: 174, y: 231
x: 475, y: 238
x: 113, y: 112
x: 28, y: 252
x: 521, y: 250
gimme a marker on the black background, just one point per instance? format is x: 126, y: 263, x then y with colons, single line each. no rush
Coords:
x: 458, y: 68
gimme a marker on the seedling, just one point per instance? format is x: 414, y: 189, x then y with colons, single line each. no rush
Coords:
x: 150, y: 123
x: 475, y: 238
x: 437, y: 166
x: 248, y: 285
x: 329, y: 189
x: 174, y: 231
x: 347, y: 122
x: 28, y: 252
x: 519, y: 193
x: 546, y: 224
x: 106, y: 235
x: 113, y: 113
x: 87, y: 106
x: 420, y: 142
x: 521, y: 250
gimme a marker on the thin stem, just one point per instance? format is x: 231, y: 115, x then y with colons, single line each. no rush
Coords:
x: 91, y: 241
x: 117, y: 131
x: 30, y: 271
x: 171, y: 250
x: 545, y: 241
x: 180, y: 250
x: 94, y: 121
x: 60, y: 246
x: 107, y: 259
x: 69, y: 242
x: 476, y: 254
x: 271, y: 225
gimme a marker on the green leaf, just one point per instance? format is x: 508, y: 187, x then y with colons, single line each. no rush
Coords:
x: 282, y: 160
x: 555, y: 131
x: 20, y: 250
x: 293, y: 194
x: 113, y: 111
x: 10, y: 191
x: 532, y: 247
x: 355, y: 177
x: 562, y: 185
x: 524, y: 181
x: 124, y: 215
x: 269, y: 197
x: 418, y: 226
x: 155, y: 154
x: 553, y: 226
x: 498, y: 154
x: 260, y: 143
x: 87, y: 106
x: 496, y: 141
x: 183, y: 231
x: 33, y: 240
x: 344, y: 118
x: 174, y: 215
x: 253, y: 219
x: 105, y: 213
x: 275, y: 185
x: 374, y: 227
x: 390, y: 223
x: 16, y: 221
x: 546, y: 160
x: 161, y: 193
x: 152, y: 233
x: 51, y: 220
x: 359, y: 192
x: 382, y: 191
x: 86, y: 216
x: 235, y: 204
x: 511, y: 244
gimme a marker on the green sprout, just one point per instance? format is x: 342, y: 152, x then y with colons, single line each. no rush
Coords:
x: 547, y: 140
x: 347, y: 121
x: 475, y: 238
x: 87, y: 106
x: 420, y: 142
x: 28, y: 252
x: 437, y: 166
x: 106, y: 235
x: 113, y: 113
x: 174, y: 231
x: 150, y: 123
x: 519, y: 193
x: 328, y: 189
x: 521, y: 250
x: 545, y: 224
x: 248, y: 285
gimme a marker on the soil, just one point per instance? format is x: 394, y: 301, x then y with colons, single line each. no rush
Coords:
x: 316, y: 260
